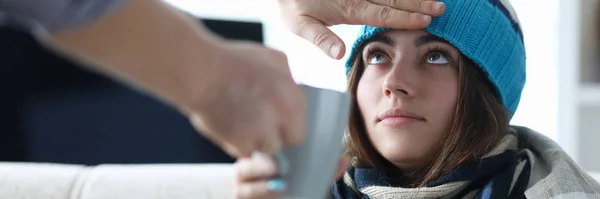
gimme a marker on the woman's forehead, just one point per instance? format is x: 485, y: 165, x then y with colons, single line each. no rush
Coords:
x: 396, y: 34
x: 403, y: 37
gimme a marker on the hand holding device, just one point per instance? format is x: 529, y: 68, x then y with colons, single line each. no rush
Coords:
x: 305, y: 170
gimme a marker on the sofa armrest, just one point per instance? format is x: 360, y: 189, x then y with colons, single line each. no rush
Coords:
x: 149, y: 181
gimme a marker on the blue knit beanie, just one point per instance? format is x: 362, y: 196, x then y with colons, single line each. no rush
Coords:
x: 487, y: 32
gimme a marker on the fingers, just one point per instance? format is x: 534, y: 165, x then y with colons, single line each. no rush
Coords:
x: 383, y: 16
x: 231, y: 149
x: 269, y: 143
x: 268, y: 138
x: 291, y: 110
x: 317, y: 33
x: 261, y: 189
x: 427, y: 7
x: 255, y: 178
x: 263, y: 132
x: 255, y: 168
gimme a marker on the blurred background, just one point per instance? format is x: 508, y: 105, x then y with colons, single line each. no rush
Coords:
x: 54, y: 111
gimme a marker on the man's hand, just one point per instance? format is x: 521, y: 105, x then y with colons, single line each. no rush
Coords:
x: 241, y: 95
x: 309, y: 18
x: 253, y: 103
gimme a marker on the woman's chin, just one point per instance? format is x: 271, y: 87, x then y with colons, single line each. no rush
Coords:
x: 404, y: 155
x: 403, y: 147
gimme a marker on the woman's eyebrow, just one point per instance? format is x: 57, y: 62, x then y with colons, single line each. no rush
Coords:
x: 427, y: 39
x: 383, y: 39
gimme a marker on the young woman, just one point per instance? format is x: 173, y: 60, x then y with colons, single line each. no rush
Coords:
x: 431, y: 116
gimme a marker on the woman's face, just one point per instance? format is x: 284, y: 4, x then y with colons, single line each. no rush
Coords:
x: 407, y: 94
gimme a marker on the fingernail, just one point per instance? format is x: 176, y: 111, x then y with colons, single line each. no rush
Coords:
x: 276, y: 185
x: 425, y: 17
x: 437, y: 6
x: 334, y: 50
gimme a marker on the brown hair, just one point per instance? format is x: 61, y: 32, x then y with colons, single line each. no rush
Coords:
x: 479, y: 123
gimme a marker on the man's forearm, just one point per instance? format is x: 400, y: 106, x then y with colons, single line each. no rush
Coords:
x: 148, y: 43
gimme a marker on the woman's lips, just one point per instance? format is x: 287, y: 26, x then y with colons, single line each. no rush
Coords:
x: 398, y: 117
x: 398, y: 121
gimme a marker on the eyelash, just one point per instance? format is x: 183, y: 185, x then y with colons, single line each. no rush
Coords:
x: 431, y: 49
x: 372, y: 51
x: 438, y: 49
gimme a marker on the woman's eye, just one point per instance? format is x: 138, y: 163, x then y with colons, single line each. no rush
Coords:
x: 437, y: 58
x: 378, y: 58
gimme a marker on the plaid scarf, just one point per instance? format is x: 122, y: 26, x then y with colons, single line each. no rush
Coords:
x: 505, y: 172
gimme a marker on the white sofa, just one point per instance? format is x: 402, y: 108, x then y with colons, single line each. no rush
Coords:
x: 151, y: 181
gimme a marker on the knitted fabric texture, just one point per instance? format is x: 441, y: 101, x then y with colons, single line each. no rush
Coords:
x: 525, y: 164
x: 485, y: 31
x: 502, y: 173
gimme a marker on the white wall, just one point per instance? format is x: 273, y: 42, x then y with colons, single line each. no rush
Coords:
x: 568, y: 72
x: 539, y: 102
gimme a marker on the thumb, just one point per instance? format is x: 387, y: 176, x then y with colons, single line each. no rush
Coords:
x: 317, y: 33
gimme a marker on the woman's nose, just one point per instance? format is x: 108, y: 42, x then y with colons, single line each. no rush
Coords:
x: 400, y: 81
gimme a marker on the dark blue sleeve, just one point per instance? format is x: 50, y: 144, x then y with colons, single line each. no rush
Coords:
x: 52, y: 15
